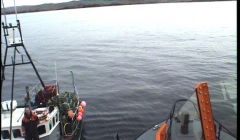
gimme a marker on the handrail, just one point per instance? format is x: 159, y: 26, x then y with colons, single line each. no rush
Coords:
x: 221, y: 127
x: 225, y: 128
x: 173, y: 109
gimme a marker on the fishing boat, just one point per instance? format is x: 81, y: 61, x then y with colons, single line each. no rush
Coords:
x: 60, y: 113
x: 190, y: 119
x: 59, y: 117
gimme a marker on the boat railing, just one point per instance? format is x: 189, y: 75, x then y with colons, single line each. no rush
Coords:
x: 221, y: 128
x: 183, y: 112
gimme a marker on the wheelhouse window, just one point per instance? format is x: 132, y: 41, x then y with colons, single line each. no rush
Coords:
x: 17, y: 133
x: 5, y: 134
x: 57, y: 117
x: 41, y: 129
x: 50, y: 125
x: 53, y: 121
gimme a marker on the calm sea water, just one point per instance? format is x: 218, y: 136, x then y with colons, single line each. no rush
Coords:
x: 132, y: 62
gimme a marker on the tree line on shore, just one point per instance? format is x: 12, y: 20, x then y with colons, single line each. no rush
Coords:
x: 86, y: 3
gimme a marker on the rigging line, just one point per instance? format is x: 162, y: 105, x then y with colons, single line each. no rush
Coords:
x: 5, y: 18
x: 49, y: 66
x: 15, y: 9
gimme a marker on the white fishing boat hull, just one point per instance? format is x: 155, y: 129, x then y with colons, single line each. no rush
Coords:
x: 48, y: 128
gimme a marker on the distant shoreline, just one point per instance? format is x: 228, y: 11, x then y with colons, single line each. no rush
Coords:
x: 88, y: 4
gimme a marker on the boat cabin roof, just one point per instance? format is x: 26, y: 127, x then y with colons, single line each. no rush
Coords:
x: 18, y: 114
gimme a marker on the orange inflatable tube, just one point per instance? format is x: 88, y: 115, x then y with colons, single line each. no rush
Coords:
x: 162, y: 132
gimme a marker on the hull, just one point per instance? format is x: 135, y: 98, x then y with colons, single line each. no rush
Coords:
x: 54, y: 135
x: 150, y: 133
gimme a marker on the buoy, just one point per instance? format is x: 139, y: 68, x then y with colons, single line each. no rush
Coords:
x: 80, y: 114
x: 70, y: 114
x: 79, y: 118
x: 83, y: 103
x: 81, y: 109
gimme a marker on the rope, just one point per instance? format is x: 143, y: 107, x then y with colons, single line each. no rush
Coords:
x: 65, y: 128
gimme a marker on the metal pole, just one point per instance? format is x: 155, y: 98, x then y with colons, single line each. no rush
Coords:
x: 15, y: 8
x: 73, y: 82
x: 1, y: 61
x: 5, y: 18
x: 56, y: 78
x: 13, y: 75
x: 19, y: 28
x: 2, y: 66
x: 6, y: 50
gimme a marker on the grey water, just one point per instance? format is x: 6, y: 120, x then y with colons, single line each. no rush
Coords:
x: 131, y: 63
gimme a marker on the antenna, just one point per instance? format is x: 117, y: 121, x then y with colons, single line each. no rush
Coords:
x: 73, y: 82
x: 56, y: 77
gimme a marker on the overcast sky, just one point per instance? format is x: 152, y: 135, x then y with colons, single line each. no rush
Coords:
x: 9, y: 3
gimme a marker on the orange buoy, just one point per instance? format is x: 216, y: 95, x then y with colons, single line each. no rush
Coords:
x: 80, y: 113
x: 79, y: 118
x: 162, y: 132
x: 80, y: 109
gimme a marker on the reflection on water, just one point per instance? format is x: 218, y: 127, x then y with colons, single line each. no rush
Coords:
x: 132, y: 62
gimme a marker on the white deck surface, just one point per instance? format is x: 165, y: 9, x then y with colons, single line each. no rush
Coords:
x: 18, y: 114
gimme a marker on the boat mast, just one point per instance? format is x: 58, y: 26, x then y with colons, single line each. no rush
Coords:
x: 15, y: 45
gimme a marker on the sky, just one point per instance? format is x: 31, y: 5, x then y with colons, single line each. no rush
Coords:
x: 9, y: 3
